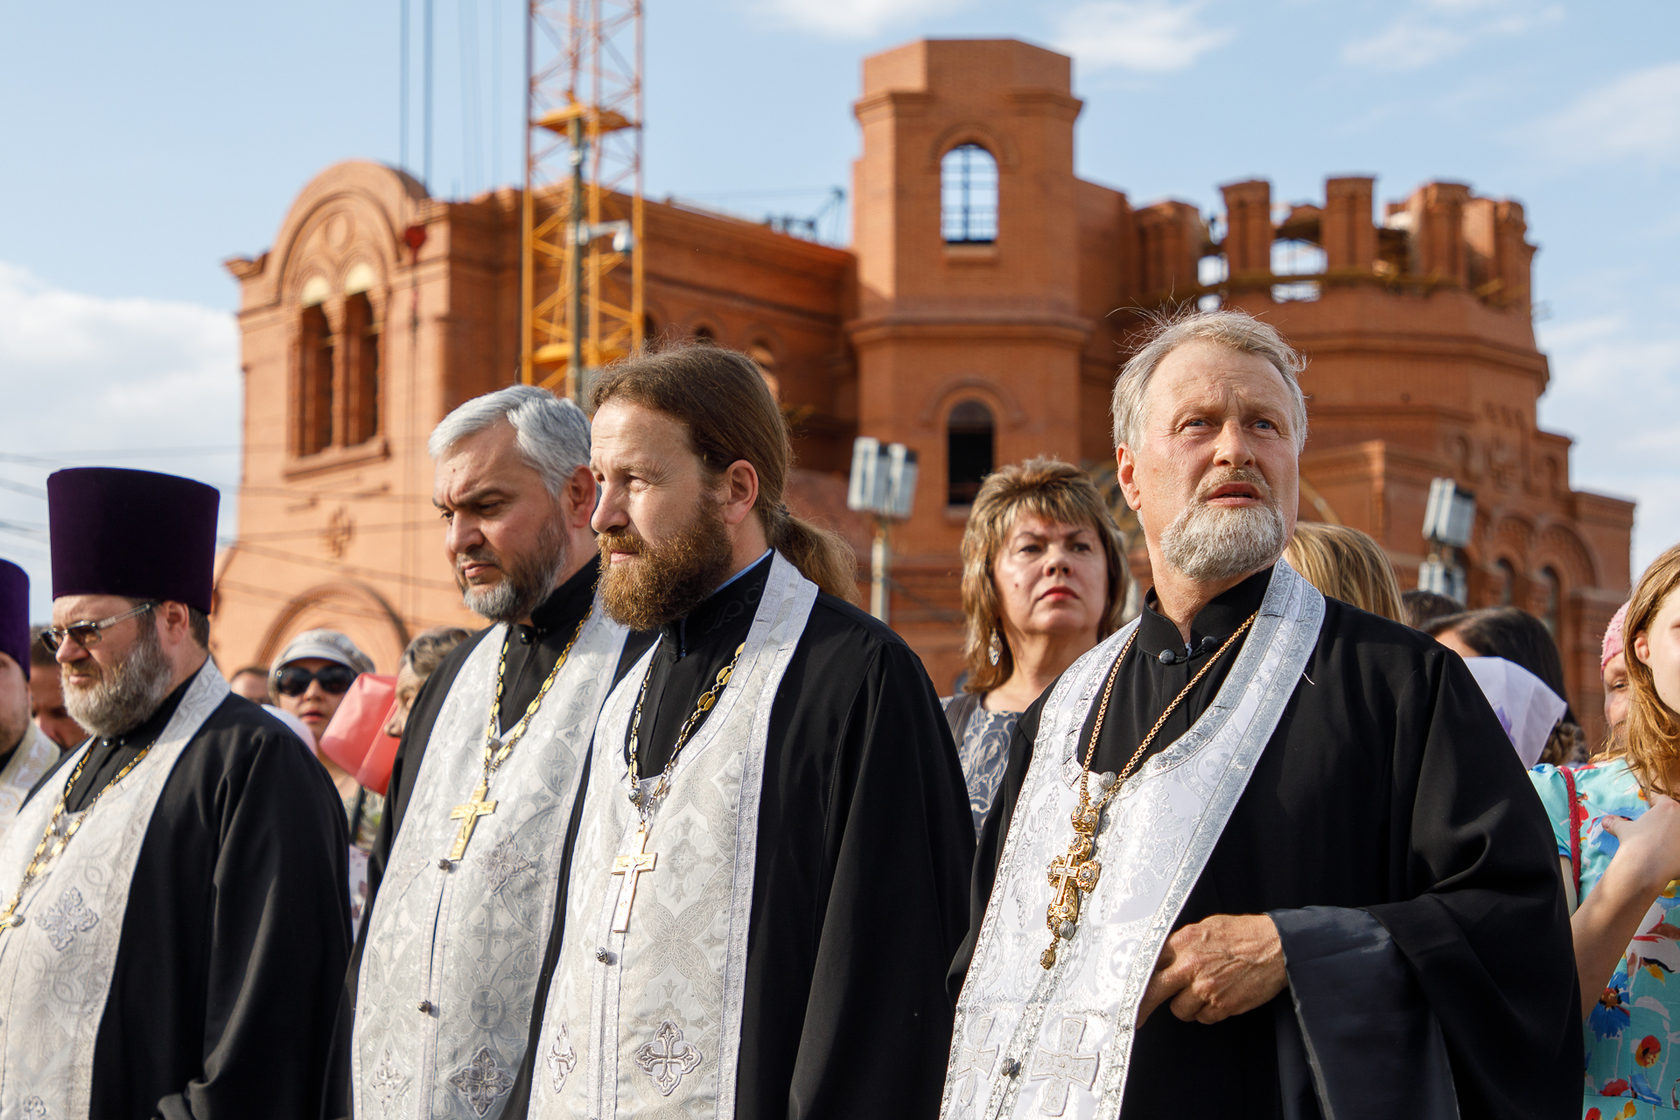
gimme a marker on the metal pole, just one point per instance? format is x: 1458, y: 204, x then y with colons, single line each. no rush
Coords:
x: 880, y: 558
x: 576, y: 233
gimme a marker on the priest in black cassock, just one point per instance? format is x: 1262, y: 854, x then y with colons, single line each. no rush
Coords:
x: 26, y: 754
x: 1259, y: 854
x: 173, y: 922
x: 769, y: 873
x: 474, y: 844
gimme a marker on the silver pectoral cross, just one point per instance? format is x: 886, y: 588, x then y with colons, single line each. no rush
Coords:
x: 631, y: 865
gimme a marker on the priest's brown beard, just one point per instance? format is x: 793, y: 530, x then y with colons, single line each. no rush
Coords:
x: 665, y: 582
x: 126, y: 694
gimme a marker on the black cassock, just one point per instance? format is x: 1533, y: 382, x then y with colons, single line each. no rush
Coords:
x: 531, y: 656
x: 1389, y: 788
x: 237, y: 930
x: 865, y: 843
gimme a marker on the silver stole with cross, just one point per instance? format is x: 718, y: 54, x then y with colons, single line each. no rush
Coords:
x: 1031, y: 1042
x: 34, y: 755
x: 56, y: 968
x: 646, y: 1020
x: 449, y: 971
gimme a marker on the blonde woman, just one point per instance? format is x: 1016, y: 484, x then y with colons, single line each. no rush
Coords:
x: 1044, y: 580
x: 1617, y: 826
x: 1346, y: 564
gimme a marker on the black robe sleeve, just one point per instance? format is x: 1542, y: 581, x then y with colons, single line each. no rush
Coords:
x: 860, y: 893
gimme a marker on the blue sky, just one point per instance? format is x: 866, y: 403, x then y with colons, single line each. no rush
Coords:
x: 144, y: 145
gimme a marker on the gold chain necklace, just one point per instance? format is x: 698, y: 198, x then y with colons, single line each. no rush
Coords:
x: 10, y: 918
x: 1074, y: 872
x: 633, y: 864
x: 644, y: 804
x: 497, y: 749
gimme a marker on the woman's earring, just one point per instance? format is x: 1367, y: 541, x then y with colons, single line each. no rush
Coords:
x: 994, y: 648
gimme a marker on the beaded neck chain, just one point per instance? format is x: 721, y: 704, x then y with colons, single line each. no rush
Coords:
x: 645, y: 803
x: 1075, y: 873
x: 10, y: 918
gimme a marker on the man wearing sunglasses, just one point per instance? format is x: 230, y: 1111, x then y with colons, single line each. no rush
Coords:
x: 174, y: 926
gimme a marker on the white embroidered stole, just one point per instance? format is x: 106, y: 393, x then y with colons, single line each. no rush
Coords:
x: 1035, y: 1042
x: 32, y: 758
x: 449, y: 972
x: 56, y: 968
x: 648, y: 1022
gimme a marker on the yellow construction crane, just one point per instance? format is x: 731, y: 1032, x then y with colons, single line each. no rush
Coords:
x: 581, y: 257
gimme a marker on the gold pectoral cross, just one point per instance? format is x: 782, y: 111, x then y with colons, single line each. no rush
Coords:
x: 631, y: 865
x: 468, y: 815
x: 1072, y: 874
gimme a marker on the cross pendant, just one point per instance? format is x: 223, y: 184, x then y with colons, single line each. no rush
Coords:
x: 468, y: 815
x: 1072, y: 874
x: 631, y: 865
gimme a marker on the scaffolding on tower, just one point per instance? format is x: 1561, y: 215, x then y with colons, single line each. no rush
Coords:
x: 581, y: 257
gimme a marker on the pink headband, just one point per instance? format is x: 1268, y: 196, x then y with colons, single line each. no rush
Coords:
x: 1612, y: 637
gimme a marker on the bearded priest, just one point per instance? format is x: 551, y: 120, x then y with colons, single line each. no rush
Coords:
x: 477, y: 829
x: 775, y: 845
x: 173, y: 922
x: 1261, y: 854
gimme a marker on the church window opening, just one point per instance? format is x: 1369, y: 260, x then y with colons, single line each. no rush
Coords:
x: 361, y: 334
x: 968, y: 451
x: 315, y: 385
x: 968, y: 192
x: 1297, y: 258
x: 1506, y: 588
x: 1552, y: 588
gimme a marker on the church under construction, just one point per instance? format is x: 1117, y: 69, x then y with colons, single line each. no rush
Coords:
x: 978, y: 316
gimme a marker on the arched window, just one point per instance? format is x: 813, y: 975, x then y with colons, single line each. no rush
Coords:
x: 361, y: 336
x: 705, y: 335
x: 968, y: 451
x: 315, y: 383
x: 968, y: 196
x: 1551, y: 606
x: 1507, y: 583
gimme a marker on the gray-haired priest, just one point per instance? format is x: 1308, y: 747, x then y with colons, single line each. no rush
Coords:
x: 771, y: 867
x: 173, y: 922
x: 1261, y: 854
x: 473, y: 852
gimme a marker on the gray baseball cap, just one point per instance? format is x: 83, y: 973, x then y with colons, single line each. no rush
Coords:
x: 328, y: 645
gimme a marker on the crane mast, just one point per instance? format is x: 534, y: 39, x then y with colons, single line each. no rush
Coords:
x: 581, y: 251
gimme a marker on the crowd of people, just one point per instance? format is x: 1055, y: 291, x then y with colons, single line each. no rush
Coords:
x: 681, y: 831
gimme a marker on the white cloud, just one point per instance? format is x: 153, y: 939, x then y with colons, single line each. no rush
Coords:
x: 152, y: 379
x: 1151, y: 36
x: 1434, y: 30
x: 1636, y: 116
x: 852, y: 19
x: 1598, y: 365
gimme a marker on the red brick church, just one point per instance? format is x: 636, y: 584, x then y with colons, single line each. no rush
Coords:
x: 979, y: 317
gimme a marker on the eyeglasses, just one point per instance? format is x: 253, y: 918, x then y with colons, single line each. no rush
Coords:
x: 87, y: 634
x: 294, y: 680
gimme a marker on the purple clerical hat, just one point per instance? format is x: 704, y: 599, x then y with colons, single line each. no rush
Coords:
x: 14, y: 614
x: 134, y: 533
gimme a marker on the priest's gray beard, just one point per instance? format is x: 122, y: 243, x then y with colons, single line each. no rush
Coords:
x: 127, y: 693
x: 526, y: 580
x: 1211, y: 543
x: 666, y: 581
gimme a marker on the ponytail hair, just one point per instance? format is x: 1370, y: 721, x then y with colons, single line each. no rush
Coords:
x: 721, y: 398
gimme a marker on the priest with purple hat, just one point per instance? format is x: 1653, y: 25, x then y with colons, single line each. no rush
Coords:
x: 25, y: 753
x: 173, y: 924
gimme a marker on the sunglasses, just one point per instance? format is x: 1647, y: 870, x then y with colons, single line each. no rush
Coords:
x: 294, y: 680
x: 87, y: 634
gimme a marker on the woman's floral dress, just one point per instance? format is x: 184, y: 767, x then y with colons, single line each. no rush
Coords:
x: 1633, y: 1033
x: 982, y: 748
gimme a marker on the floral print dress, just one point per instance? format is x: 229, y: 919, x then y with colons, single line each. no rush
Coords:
x: 982, y: 748
x: 1633, y: 1033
